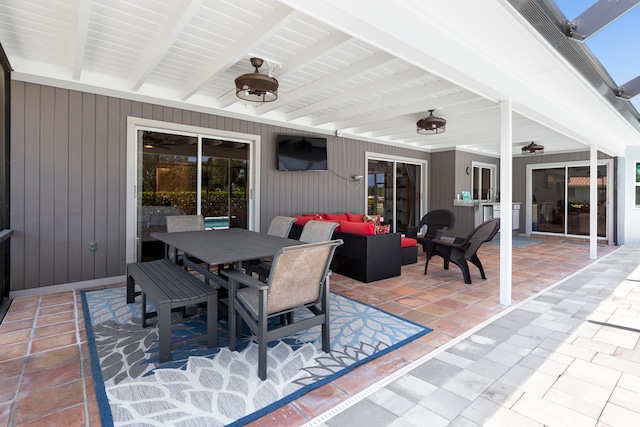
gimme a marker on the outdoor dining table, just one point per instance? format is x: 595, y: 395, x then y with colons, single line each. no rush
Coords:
x: 219, y: 247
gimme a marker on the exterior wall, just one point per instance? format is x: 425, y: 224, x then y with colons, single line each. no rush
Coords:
x: 629, y: 214
x: 68, y: 180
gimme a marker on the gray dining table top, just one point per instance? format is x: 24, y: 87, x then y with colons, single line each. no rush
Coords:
x: 226, y: 246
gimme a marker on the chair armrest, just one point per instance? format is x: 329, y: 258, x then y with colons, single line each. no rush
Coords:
x: 245, y: 279
x: 446, y: 243
x: 411, y: 231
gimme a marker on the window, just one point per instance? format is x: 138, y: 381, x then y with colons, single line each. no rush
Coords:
x: 637, y: 184
x: 483, y: 181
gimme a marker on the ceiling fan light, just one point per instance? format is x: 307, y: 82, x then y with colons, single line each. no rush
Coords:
x: 431, y: 125
x: 533, y: 148
x: 256, y: 87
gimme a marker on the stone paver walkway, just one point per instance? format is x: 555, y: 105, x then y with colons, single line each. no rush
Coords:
x: 569, y: 356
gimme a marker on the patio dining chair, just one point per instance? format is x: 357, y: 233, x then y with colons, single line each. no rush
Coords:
x: 317, y: 231
x: 280, y: 226
x: 463, y: 249
x: 178, y: 223
x: 436, y: 222
x: 299, y: 279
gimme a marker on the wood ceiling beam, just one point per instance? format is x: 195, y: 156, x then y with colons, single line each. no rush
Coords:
x: 184, y: 13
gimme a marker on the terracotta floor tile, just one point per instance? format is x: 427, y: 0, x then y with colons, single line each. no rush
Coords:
x: 44, y: 402
x: 8, y: 388
x: 357, y: 380
x: 69, y: 417
x: 404, y: 290
x: 451, y: 303
x: 56, y: 318
x: 11, y: 338
x: 394, y: 308
x: 411, y: 302
x: 14, y: 316
x: 89, y: 387
x: 93, y: 411
x: 320, y: 400
x: 49, y: 377
x: 441, y: 291
x: 448, y: 327
x: 388, y: 363
x: 419, y: 317
x: 55, y: 329
x: 54, y: 342
x: 57, y: 298
x: 13, y: 351
x: 286, y: 416
x: 15, y: 326
x: 55, y: 309
x: 11, y: 368
x: 52, y: 358
x: 5, y: 413
x: 436, y: 310
x: 467, y: 299
x: 435, y: 339
x: 24, y: 303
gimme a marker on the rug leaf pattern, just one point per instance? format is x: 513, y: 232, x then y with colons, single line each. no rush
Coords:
x: 212, y: 387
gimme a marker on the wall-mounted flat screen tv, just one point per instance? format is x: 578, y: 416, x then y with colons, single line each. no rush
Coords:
x: 301, y: 153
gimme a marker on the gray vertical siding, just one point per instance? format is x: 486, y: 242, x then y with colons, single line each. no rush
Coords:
x: 68, y: 179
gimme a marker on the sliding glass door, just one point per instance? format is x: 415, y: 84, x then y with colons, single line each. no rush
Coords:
x: 560, y: 199
x: 188, y: 175
x: 394, y: 190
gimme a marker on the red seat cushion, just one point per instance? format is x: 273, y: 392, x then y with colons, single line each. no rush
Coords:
x: 407, y: 242
x: 365, y: 228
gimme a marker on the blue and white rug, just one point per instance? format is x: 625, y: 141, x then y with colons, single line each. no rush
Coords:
x: 217, y: 387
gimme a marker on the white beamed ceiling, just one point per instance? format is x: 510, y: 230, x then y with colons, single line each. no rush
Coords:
x: 370, y: 69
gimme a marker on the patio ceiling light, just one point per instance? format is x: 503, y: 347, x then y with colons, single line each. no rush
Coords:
x: 257, y: 87
x: 431, y: 125
x: 533, y: 148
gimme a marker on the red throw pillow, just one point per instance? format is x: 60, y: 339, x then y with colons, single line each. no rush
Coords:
x: 407, y: 242
x: 355, y: 217
x: 365, y: 228
x: 381, y: 229
x: 336, y: 217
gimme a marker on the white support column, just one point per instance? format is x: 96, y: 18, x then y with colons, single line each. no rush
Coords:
x: 593, y: 202
x: 506, y: 200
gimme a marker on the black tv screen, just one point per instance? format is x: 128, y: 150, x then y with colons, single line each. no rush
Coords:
x: 301, y: 153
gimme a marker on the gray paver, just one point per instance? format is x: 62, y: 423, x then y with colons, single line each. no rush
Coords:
x: 542, y: 363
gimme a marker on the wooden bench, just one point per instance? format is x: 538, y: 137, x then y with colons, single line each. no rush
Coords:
x: 169, y: 286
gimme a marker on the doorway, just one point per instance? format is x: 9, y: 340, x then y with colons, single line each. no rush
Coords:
x: 395, y: 191
x: 181, y: 170
x: 560, y: 199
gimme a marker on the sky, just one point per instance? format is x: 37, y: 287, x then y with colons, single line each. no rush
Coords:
x: 616, y: 46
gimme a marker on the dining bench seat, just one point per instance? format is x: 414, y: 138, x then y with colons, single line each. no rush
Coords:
x: 169, y: 286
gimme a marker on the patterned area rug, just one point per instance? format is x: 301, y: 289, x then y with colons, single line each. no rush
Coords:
x: 216, y: 387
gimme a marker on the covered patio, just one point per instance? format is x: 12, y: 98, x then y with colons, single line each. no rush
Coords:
x: 85, y: 82
x: 44, y: 339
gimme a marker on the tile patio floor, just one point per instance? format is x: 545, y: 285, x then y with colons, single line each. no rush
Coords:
x: 45, y: 378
